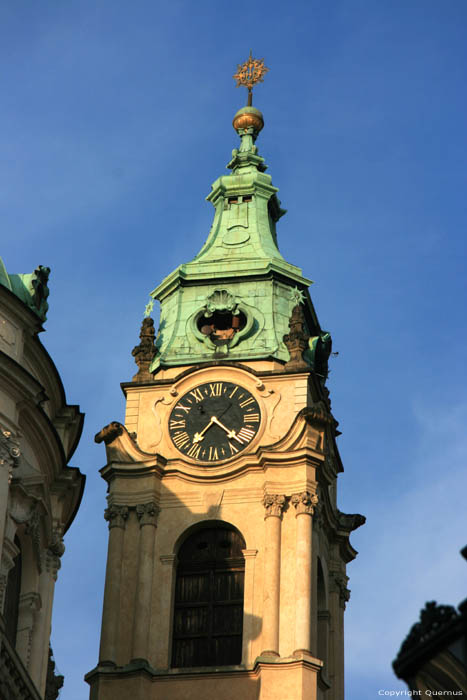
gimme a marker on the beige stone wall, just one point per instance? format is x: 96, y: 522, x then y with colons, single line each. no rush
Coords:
x: 269, y: 493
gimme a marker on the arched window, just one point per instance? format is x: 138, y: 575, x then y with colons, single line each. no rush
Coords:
x: 208, y: 611
x: 12, y: 593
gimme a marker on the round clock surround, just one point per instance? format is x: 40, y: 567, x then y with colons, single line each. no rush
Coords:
x: 214, y: 421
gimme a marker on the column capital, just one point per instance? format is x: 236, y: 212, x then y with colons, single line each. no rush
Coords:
x: 249, y: 553
x: 147, y: 513
x: 304, y: 502
x: 338, y: 584
x: 116, y: 516
x: 274, y: 504
x: 168, y: 559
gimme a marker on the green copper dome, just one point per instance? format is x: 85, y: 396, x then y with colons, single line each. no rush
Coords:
x: 234, y: 299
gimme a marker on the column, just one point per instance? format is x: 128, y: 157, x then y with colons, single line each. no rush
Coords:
x: 274, y: 504
x: 116, y: 517
x: 9, y: 460
x: 147, y: 515
x: 160, y: 636
x: 41, y: 631
x: 248, y: 604
x: 304, y: 504
x: 339, y: 594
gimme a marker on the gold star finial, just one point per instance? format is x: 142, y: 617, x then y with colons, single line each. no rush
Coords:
x: 250, y: 73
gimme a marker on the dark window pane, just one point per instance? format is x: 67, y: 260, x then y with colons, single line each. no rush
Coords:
x: 191, y: 588
x: 228, y: 619
x: 208, y: 614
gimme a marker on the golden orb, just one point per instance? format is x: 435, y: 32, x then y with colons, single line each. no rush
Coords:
x: 248, y: 117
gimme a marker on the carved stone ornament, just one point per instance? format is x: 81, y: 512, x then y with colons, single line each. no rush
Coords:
x: 147, y: 513
x: 339, y: 585
x: 53, y: 554
x: 297, y: 340
x: 116, y: 516
x: 350, y: 521
x: 220, y: 300
x: 9, y: 451
x: 145, y: 351
x: 304, y: 502
x: 109, y: 433
x: 318, y: 413
x: 274, y: 504
x: 33, y: 529
x: 54, y: 682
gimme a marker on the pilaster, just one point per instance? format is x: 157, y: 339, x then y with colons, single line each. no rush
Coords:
x: 304, y: 504
x: 274, y: 505
x: 116, y: 516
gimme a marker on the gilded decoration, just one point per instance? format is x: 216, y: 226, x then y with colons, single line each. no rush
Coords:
x: 250, y: 73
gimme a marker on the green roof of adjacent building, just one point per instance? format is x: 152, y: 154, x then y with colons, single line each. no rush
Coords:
x: 30, y: 288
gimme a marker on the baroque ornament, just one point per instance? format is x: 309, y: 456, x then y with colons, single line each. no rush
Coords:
x: 9, y: 450
x: 274, y: 504
x: 145, y: 351
x: 147, y: 513
x: 116, y: 516
x: 304, y: 502
x: 249, y: 74
x: 296, y: 340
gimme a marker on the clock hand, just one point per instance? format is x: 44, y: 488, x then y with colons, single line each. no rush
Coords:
x: 230, y: 433
x: 199, y: 436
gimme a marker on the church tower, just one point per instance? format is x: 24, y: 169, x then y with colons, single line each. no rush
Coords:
x: 226, y: 569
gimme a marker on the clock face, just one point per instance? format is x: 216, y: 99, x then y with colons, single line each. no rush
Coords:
x: 214, y: 421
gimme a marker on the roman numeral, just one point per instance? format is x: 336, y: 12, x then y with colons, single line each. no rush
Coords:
x: 216, y: 389
x: 245, y: 434
x: 180, y: 439
x: 247, y: 402
x: 177, y: 424
x: 233, y: 392
x: 183, y: 408
x: 194, y: 451
x: 251, y: 418
x: 197, y: 394
x: 233, y: 449
x: 213, y: 453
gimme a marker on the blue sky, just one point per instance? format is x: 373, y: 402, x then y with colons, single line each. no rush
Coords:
x: 116, y: 118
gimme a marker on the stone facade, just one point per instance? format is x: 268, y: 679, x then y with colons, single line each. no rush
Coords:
x: 39, y: 493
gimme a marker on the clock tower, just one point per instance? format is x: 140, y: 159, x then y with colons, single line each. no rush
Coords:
x: 226, y: 569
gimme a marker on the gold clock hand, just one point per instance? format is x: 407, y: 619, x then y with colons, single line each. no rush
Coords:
x: 230, y: 433
x: 199, y: 436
